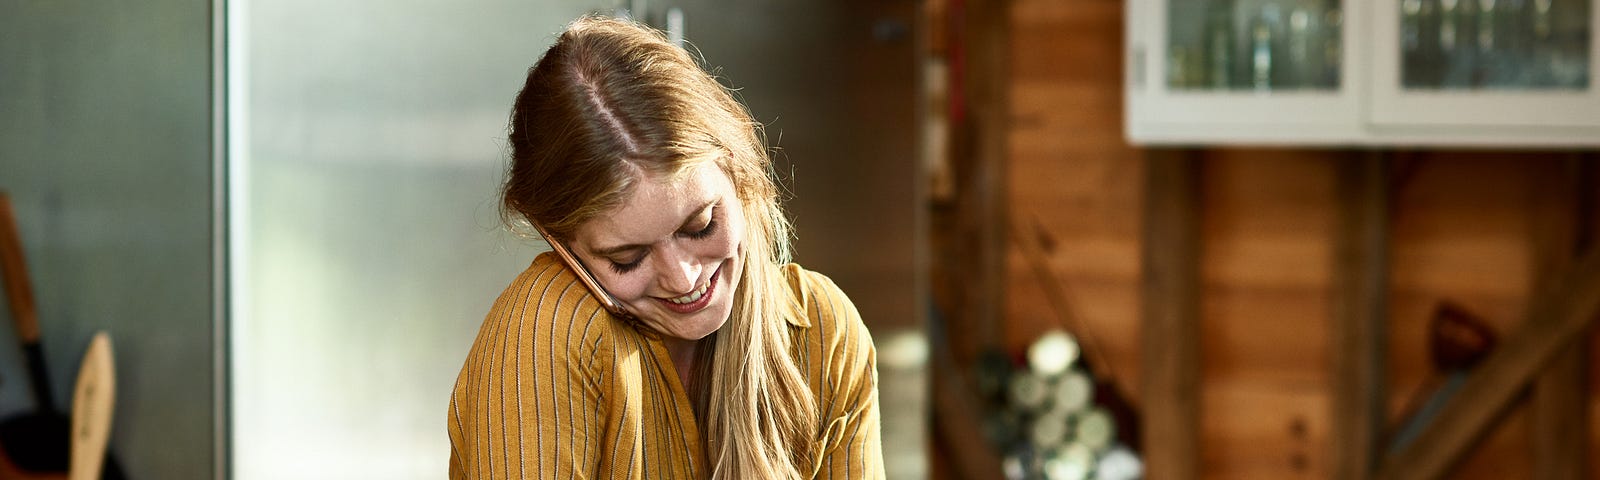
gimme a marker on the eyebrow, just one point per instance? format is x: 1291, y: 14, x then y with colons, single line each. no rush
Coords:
x: 609, y: 251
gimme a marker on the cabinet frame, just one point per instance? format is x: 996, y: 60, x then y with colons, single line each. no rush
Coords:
x: 1369, y: 108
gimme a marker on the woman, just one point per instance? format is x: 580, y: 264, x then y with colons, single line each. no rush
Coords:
x: 715, y: 360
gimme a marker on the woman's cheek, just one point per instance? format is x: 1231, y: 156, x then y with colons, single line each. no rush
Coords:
x: 726, y: 244
x: 638, y: 283
x: 733, y: 236
x: 627, y: 286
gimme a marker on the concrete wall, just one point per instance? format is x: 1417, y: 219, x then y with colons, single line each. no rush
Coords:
x: 105, y: 138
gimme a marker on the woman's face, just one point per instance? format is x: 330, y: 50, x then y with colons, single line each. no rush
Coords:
x: 671, y: 251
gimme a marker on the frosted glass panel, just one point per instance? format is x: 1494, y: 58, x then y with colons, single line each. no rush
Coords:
x: 1254, y: 44
x: 367, y: 141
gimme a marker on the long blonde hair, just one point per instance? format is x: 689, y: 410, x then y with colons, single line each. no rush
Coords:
x: 612, y: 101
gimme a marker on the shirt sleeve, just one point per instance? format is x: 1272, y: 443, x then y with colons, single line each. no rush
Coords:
x: 526, y: 403
x: 851, y: 443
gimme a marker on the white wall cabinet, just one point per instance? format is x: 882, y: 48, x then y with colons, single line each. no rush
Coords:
x: 1385, y: 73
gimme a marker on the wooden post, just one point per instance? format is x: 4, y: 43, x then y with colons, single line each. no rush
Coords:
x: 973, y: 253
x: 1560, y: 231
x: 1556, y: 319
x: 981, y: 79
x: 1170, y: 349
x: 1360, y: 311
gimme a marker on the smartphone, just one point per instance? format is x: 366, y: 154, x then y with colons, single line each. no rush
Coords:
x: 607, y: 301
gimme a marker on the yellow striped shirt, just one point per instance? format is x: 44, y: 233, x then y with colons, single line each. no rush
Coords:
x: 556, y: 388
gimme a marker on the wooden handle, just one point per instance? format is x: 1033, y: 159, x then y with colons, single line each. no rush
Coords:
x: 19, y: 294
x: 93, y: 401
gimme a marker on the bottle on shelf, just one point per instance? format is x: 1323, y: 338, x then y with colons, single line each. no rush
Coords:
x: 1332, y: 44
x: 1541, y: 20
x: 1261, y: 48
x: 1486, y: 14
x: 1301, y: 28
x: 1219, y: 45
x: 1410, y: 26
x: 1447, y: 25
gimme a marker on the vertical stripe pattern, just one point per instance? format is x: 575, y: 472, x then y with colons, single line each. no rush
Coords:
x: 554, y: 387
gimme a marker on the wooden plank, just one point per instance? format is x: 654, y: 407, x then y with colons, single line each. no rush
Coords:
x: 1360, y: 313
x: 1259, y: 430
x: 1555, y: 320
x: 1560, y: 227
x: 1460, y: 235
x: 1266, y: 269
x: 1171, y: 346
x: 1084, y: 186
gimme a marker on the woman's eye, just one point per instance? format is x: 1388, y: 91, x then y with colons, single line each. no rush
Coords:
x: 626, y: 267
x: 711, y: 227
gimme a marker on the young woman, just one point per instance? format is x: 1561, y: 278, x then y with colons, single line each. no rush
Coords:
x: 667, y: 336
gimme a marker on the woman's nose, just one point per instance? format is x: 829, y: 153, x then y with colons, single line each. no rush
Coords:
x: 678, y: 271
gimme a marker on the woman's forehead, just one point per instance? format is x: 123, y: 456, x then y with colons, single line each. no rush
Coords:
x: 652, y: 192
x: 658, y: 205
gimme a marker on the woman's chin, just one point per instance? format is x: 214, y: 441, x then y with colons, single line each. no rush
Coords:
x: 699, y: 324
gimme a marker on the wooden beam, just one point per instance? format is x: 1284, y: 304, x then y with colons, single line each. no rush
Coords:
x: 1170, y: 350
x: 1556, y: 319
x: 981, y: 79
x: 1560, y: 226
x: 988, y: 42
x: 1358, y: 331
x: 972, y: 261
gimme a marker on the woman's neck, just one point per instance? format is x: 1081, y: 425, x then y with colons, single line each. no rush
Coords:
x: 682, y: 353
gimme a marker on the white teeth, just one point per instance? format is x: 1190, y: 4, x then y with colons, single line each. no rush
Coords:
x: 692, y: 296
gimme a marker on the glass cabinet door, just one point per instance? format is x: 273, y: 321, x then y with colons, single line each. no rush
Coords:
x: 1532, y: 45
x: 1507, y: 63
x: 1251, y: 71
x: 1257, y: 45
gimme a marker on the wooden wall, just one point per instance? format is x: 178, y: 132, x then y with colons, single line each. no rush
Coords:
x: 1461, y: 232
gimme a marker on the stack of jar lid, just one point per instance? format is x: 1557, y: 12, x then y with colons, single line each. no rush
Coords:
x: 1047, y: 422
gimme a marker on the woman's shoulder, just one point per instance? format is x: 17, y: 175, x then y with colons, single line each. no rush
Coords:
x: 548, y: 287
x: 830, y: 315
x: 548, y: 311
x: 834, y: 349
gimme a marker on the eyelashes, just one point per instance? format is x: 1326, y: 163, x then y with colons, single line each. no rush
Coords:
x: 621, y: 268
x: 711, y: 228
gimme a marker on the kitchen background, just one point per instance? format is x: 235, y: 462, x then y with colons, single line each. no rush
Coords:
x: 1092, y: 238
x: 284, y: 212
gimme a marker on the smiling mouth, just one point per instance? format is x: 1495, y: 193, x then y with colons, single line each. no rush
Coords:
x: 690, y: 298
x: 696, y: 300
